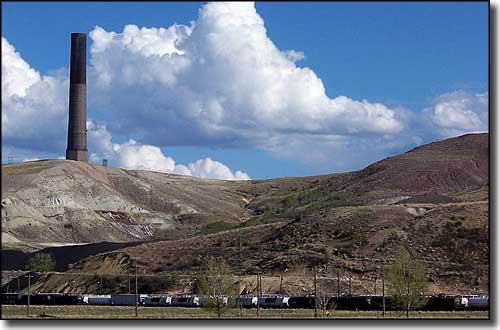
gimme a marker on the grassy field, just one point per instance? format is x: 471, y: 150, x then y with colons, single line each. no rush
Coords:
x: 124, y: 312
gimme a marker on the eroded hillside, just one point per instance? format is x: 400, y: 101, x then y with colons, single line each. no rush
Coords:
x: 433, y: 200
x: 53, y: 203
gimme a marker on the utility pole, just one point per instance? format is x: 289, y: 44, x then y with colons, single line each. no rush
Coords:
x: 350, y: 286
x: 29, y: 287
x: 238, y: 291
x: 338, y: 283
x: 407, y: 294
x: 136, y: 296
x: 260, y: 281
x: 375, y: 289
x: 383, y: 292
x: 281, y: 291
x: 258, y: 293
x: 315, y: 294
x: 239, y: 243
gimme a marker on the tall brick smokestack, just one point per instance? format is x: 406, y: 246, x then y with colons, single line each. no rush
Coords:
x: 77, y: 124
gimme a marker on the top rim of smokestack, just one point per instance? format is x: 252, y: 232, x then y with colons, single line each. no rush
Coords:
x: 78, y: 34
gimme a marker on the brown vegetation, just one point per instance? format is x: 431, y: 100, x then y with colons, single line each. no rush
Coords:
x: 432, y: 200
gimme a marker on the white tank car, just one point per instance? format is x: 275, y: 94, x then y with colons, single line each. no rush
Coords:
x: 479, y: 302
x: 97, y: 299
x: 204, y: 301
x: 271, y: 301
x: 248, y: 301
x: 285, y: 301
x: 158, y: 300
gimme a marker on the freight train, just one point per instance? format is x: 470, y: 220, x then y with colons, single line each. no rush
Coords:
x: 360, y: 303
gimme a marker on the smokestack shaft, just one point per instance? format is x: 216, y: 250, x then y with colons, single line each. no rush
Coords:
x: 77, y: 123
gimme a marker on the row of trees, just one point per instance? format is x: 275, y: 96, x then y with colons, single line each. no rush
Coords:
x: 406, y: 280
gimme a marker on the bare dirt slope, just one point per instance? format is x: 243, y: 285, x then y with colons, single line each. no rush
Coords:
x: 49, y: 203
x: 455, y: 168
x: 451, y: 239
x: 432, y: 200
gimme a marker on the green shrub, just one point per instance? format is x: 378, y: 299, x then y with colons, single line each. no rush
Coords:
x: 41, y: 262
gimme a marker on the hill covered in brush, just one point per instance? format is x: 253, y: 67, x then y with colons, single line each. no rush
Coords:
x: 432, y: 199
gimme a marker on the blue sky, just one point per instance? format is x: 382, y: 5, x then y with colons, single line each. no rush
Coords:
x: 403, y: 55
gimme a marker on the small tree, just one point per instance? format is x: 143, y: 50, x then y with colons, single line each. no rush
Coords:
x: 323, y: 297
x: 41, y: 262
x: 407, y: 279
x: 217, y: 285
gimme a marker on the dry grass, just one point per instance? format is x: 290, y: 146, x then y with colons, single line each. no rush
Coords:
x: 126, y: 312
x: 27, y: 167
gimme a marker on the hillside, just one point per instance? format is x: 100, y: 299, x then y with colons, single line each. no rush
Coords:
x: 60, y: 202
x: 456, y: 167
x: 451, y: 239
x: 432, y: 199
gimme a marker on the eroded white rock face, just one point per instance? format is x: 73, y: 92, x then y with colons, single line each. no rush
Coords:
x: 390, y: 200
x: 75, y: 192
x: 416, y: 212
x: 184, y: 209
x: 70, y: 202
x: 15, y: 212
x: 6, y: 202
x: 412, y: 211
x: 62, y: 209
x: 421, y: 211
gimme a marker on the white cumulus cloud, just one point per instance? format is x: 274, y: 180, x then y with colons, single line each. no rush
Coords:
x: 217, y: 81
x: 132, y: 155
x: 136, y: 156
x: 220, y: 80
x: 33, y: 106
x: 17, y: 75
x: 34, y: 116
x: 208, y: 168
x: 459, y: 113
